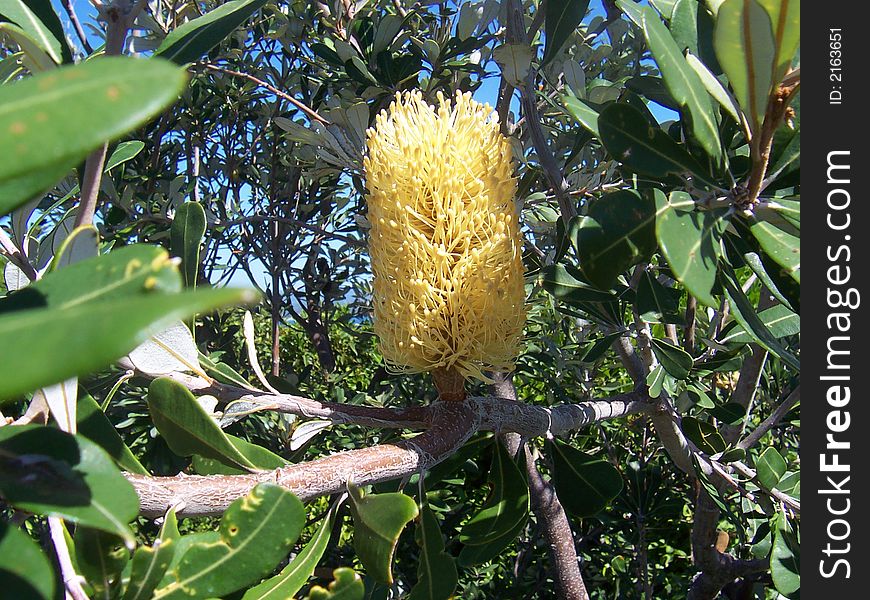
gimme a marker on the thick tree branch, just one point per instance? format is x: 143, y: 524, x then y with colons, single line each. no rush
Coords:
x: 448, y: 424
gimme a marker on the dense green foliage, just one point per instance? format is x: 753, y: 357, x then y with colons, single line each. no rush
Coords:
x: 657, y: 150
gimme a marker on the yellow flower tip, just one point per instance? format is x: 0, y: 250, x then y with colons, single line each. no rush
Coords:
x: 444, y: 242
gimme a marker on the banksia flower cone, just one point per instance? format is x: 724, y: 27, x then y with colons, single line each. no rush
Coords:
x: 444, y: 242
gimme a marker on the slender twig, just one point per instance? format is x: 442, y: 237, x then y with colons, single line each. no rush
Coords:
x: 770, y: 422
x: 119, y: 17
x: 11, y: 251
x: 311, y: 113
x: 74, y: 19
x: 71, y: 580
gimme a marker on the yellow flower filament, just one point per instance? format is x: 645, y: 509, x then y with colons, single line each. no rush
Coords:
x: 444, y: 242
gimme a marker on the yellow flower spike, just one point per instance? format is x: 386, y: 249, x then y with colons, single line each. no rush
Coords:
x: 444, y: 243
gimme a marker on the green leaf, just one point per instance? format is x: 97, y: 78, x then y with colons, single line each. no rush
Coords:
x: 506, y: 506
x: 655, y: 381
x: 123, y: 152
x: 585, y: 484
x: 745, y: 47
x: 683, y: 84
x: 100, y: 558
x: 631, y: 140
x: 561, y: 19
x: 185, y: 235
x: 378, y: 520
x: 785, y: 18
x: 47, y: 471
x: 770, y: 466
x: 292, y: 577
x: 128, y: 272
x: 20, y: 13
x: 782, y: 247
x: 187, y: 428
x: 256, y: 533
x: 779, y: 320
x: 56, y: 344
x: 715, y: 88
x: 151, y: 562
x: 617, y: 232
x: 691, y: 242
x: 188, y: 42
x: 262, y: 458
x: 785, y: 558
x: 582, y: 112
x: 683, y: 25
x: 55, y: 119
x: 791, y: 297
x: 347, y: 585
x: 568, y: 284
x: 731, y: 413
x: 92, y: 423
x: 704, y: 435
x: 676, y: 361
x: 744, y: 312
x: 732, y: 455
x: 437, y: 577
x: 657, y: 303
x: 35, y: 58
x: 25, y: 571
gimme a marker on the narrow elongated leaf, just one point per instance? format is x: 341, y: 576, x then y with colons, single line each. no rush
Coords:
x: 261, y: 457
x: 149, y: 566
x: 630, y: 139
x: 21, y: 14
x: 585, y: 484
x: 568, y: 284
x: 683, y: 84
x: 779, y: 320
x: 586, y: 116
x: 745, y: 46
x: 173, y: 349
x: 100, y: 558
x: 25, y: 571
x: 124, y: 152
x: 657, y: 303
x: 51, y: 121
x: 187, y: 428
x: 346, y: 585
x: 292, y: 577
x: 378, y: 520
x: 561, y: 20
x: 783, y: 247
x: 436, y: 574
x: 691, y: 241
x: 94, y: 425
x: 150, y: 563
x: 675, y: 360
x: 191, y: 40
x: 256, y: 533
x: 745, y: 314
x: 785, y: 18
x: 704, y: 435
x: 785, y: 558
x: 56, y: 344
x: 47, y: 471
x: 185, y: 236
x: 770, y: 466
x: 35, y: 58
x: 505, y: 507
x: 617, y: 232
x: 715, y: 88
